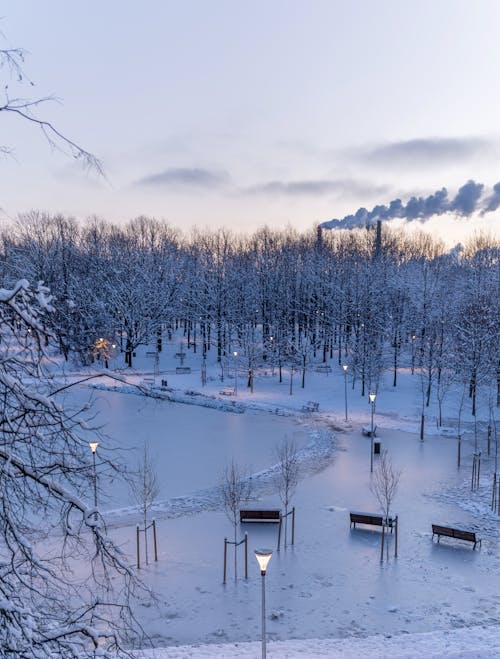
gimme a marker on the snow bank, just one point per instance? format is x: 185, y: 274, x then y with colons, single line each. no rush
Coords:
x: 478, y: 642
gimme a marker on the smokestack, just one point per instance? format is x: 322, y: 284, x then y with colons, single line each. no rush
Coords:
x: 319, y: 237
x: 378, y: 240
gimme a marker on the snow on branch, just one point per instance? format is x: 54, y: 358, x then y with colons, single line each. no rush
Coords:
x: 68, y: 586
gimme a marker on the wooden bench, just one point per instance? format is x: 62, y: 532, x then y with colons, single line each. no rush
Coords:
x: 310, y: 406
x: 260, y: 516
x: 374, y: 519
x: 323, y: 368
x: 367, y: 431
x: 182, y: 370
x: 449, y: 532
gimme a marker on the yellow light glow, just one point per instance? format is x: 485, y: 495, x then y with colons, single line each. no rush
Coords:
x: 345, y: 367
x: 263, y: 557
x: 372, y: 397
x: 93, y: 446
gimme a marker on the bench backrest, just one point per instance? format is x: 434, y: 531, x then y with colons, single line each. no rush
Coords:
x: 454, y: 533
x: 260, y: 514
x: 464, y: 535
x: 367, y: 518
x: 442, y: 530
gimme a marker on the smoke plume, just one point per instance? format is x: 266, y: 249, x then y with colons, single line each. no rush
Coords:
x: 468, y: 200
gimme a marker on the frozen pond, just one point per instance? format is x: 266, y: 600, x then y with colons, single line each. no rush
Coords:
x: 190, y: 445
x: 332, y: 582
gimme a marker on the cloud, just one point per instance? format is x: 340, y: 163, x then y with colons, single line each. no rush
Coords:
x: 185, y: 177
x: 314, y: 188
x: 429, y: 150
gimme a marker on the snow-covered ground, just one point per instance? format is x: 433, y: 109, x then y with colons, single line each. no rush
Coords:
x: 328, y: 595
x: 468, y: 643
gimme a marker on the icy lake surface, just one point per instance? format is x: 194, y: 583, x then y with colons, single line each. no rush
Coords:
x: 190, y: 445
x: 332, y: 582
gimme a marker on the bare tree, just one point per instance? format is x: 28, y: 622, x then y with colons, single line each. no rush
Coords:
x: 384, y: 485
x: 288, y: 474
x: 145, y: 489
x: 385, y: 482
x: 236, y: 487
x: 12, y: 61
x: 47, y: 528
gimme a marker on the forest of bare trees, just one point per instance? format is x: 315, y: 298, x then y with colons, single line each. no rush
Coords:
x: 279, y: 298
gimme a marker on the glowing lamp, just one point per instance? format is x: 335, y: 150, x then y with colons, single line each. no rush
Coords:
x: 263, y: 557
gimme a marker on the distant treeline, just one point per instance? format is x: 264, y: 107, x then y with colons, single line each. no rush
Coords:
x: 277, y: 297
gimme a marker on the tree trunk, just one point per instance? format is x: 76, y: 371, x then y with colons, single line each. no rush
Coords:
x: 145, y: 536
x: 235, y: 554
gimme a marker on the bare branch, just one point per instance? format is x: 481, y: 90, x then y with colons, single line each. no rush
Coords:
x: 385, y: 482
x: 47, y: 529
x: 287, y: 478
x: 145, y: 488
x: 13, y: 60
x: 236, y: 487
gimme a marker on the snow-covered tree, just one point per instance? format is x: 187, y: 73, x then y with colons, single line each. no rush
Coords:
x: 64, y: 586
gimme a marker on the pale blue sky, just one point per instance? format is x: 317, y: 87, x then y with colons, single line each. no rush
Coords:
x: 245, y: 113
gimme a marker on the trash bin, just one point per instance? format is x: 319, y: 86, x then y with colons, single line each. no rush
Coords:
x: 376, y: 448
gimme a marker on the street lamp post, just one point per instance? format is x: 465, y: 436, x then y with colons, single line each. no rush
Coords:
x: 372, y: 398
x: 345, y: 367
x: 235, y: 355
x: 263, y: 557
x: 93, y: 447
